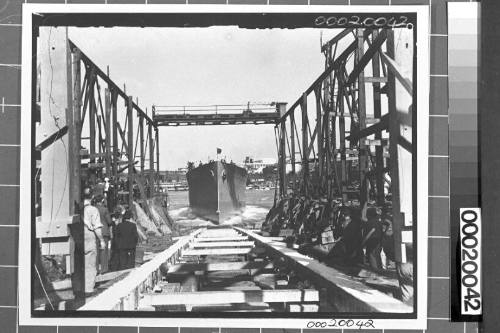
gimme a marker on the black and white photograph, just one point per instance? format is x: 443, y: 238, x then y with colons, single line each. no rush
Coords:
x: 257, y: 163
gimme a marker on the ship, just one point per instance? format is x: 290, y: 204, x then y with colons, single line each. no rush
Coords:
x: 217, y: 190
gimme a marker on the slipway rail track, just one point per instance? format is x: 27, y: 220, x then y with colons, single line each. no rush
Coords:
x: 237, y: 270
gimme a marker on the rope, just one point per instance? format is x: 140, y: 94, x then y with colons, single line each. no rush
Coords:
x: 43, y: 287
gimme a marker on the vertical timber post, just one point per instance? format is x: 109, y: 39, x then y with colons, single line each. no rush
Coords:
x: 342, y: 147
x: 330, y: 144
x: 157, y: 146
x: 151, y: 152
x: 74, y: 144
x: 107, y: 110
x: 327, y: 147
x: 377, y: 112
x: 114, y: 116
x: 99, y: 134
x: 283, y: 182
x: 92, y: 114
x: 305, y: 144
x: 130, y: 153
x: 394, y: 132
x: 319, y: 134
x: 292, y: 143
x: 141, y: 139
x: 74, y: 123
x: 362, y: 156
x: 332, y: 137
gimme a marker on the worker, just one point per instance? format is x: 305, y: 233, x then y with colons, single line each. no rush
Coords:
x: 387, y: 241
x: 116, y: 218
x: 404, y: 270
x: 372, y: 239
x: 92, y: 237
x: 100, y: 201
x: 347, y: 250
x: 352, y: 237
x: 126, y: 241
x: 99, y: 187
x: 106, y: 186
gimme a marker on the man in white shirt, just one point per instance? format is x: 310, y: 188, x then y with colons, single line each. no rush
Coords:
x: 92, y: 237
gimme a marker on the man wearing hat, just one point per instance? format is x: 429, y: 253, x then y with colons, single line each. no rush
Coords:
x: 126, y: 239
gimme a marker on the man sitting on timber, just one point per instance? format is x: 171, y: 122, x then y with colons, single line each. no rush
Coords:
x: 126, y: 241
x: 92, y: 233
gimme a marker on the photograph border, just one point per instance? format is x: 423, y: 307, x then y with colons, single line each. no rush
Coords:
x: 421, y: 187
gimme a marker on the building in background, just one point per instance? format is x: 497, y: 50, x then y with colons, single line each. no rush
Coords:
x: 257, y: 165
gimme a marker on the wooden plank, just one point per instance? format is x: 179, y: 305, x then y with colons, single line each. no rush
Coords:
x: 166, y: 287
x: 302, y: 307
x: 111, y: 297
x: 222, y: 244
x: 221, y: 266
x: 383, y: 124
x: 258, y: 310
x: 230, y: 296
x: 217, y: 235
x: 111, y: 275
x: 348, y: 294
x: 219, y: 232
x: 212, y: 252
x: 375, y: 79
x: 52, y: 138
x: 222, y: 239
x: 241, y: 307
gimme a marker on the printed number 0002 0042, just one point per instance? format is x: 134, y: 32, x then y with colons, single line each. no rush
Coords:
x: 341, y: 323
x: 368, y: 22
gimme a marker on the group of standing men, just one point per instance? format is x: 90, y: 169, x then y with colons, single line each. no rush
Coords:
x: 367, y: 235
x: 104, y: 234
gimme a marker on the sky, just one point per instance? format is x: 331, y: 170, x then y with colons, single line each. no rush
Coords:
x: 207, y: 66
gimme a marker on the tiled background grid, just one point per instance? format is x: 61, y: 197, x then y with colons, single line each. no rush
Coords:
x: 10, y: 78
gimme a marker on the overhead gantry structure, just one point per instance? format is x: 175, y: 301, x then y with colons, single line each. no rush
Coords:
x: 228, y: 114
x: 360, y: 142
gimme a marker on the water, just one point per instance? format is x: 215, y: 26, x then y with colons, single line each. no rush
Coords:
x: 258, y: 203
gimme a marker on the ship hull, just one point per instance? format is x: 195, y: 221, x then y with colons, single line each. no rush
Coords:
x: 217, y: 190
